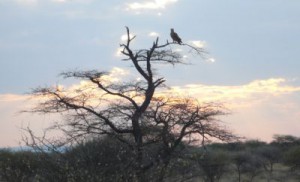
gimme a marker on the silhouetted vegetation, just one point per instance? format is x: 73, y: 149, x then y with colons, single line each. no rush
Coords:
x: 108, y: 159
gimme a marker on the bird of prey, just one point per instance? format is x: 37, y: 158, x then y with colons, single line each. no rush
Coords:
x: 175, y: 36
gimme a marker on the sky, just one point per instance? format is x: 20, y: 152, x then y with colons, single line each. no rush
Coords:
x: 252, y: 66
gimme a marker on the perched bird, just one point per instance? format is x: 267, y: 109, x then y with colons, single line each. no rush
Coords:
x: 175, y: 36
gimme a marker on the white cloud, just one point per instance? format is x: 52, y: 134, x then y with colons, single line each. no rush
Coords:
x: 119, y: 52
x: 124, y: 37
x: 116, y: 74
x: 153, y: 34
x: 12, y: 97
x: 239, y: 95
x: 199, y: 43
x: 152, y: 5
x: 260, y: 108
x: 211, y: 60
x: 11, y: 119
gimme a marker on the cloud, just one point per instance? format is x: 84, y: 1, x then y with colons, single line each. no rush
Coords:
x: 248, y: 95
x: 261, y: 108
x: 149, y: 5
x: 238, y: 95
x: 12, y: 97
x: 202, y: 45
x: 115, y: 75
x: 118, y: 52
x: 124, y: 37
x: 199, y: 43
x: 153, y: 34
x: 276, y: 114
x: 211, y: 60
x: 11, y: 121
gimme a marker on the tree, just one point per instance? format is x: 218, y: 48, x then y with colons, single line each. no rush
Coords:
x: 240, y: 160
x: 269, y: 156
x: 285, y: 141
x: 18, y: 166
x: 254, y: 144
x: 213, y: 164
x: 99, y: 160
x: 292, y: 158
x: 246, y: 163
x: 253, y: 168
x: 153, y: 125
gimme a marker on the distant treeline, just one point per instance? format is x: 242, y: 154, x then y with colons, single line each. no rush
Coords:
x: 108, y: 160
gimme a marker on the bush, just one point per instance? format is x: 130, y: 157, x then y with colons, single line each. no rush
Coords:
x: 292, y: 158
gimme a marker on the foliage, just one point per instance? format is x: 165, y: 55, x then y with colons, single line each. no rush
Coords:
x: 17, y: 166
x: 269, y: 156
x: 108, y: 159
x: 292, y: 158
x: 213, y: 164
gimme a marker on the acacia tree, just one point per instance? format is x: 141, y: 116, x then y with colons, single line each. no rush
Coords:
x: 153, y: 125
x: 213, y: 164
x: 240, y: 161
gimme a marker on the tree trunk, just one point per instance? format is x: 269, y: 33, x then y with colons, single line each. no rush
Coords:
x: 239, y: 173
x: 163, y: 171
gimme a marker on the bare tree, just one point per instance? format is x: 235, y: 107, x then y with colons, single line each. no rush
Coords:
x: 152, y: 125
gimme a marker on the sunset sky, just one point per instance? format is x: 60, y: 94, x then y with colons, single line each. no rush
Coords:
x: 253, y: 66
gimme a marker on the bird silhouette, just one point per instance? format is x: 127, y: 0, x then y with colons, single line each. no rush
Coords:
x: 175, y: 36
